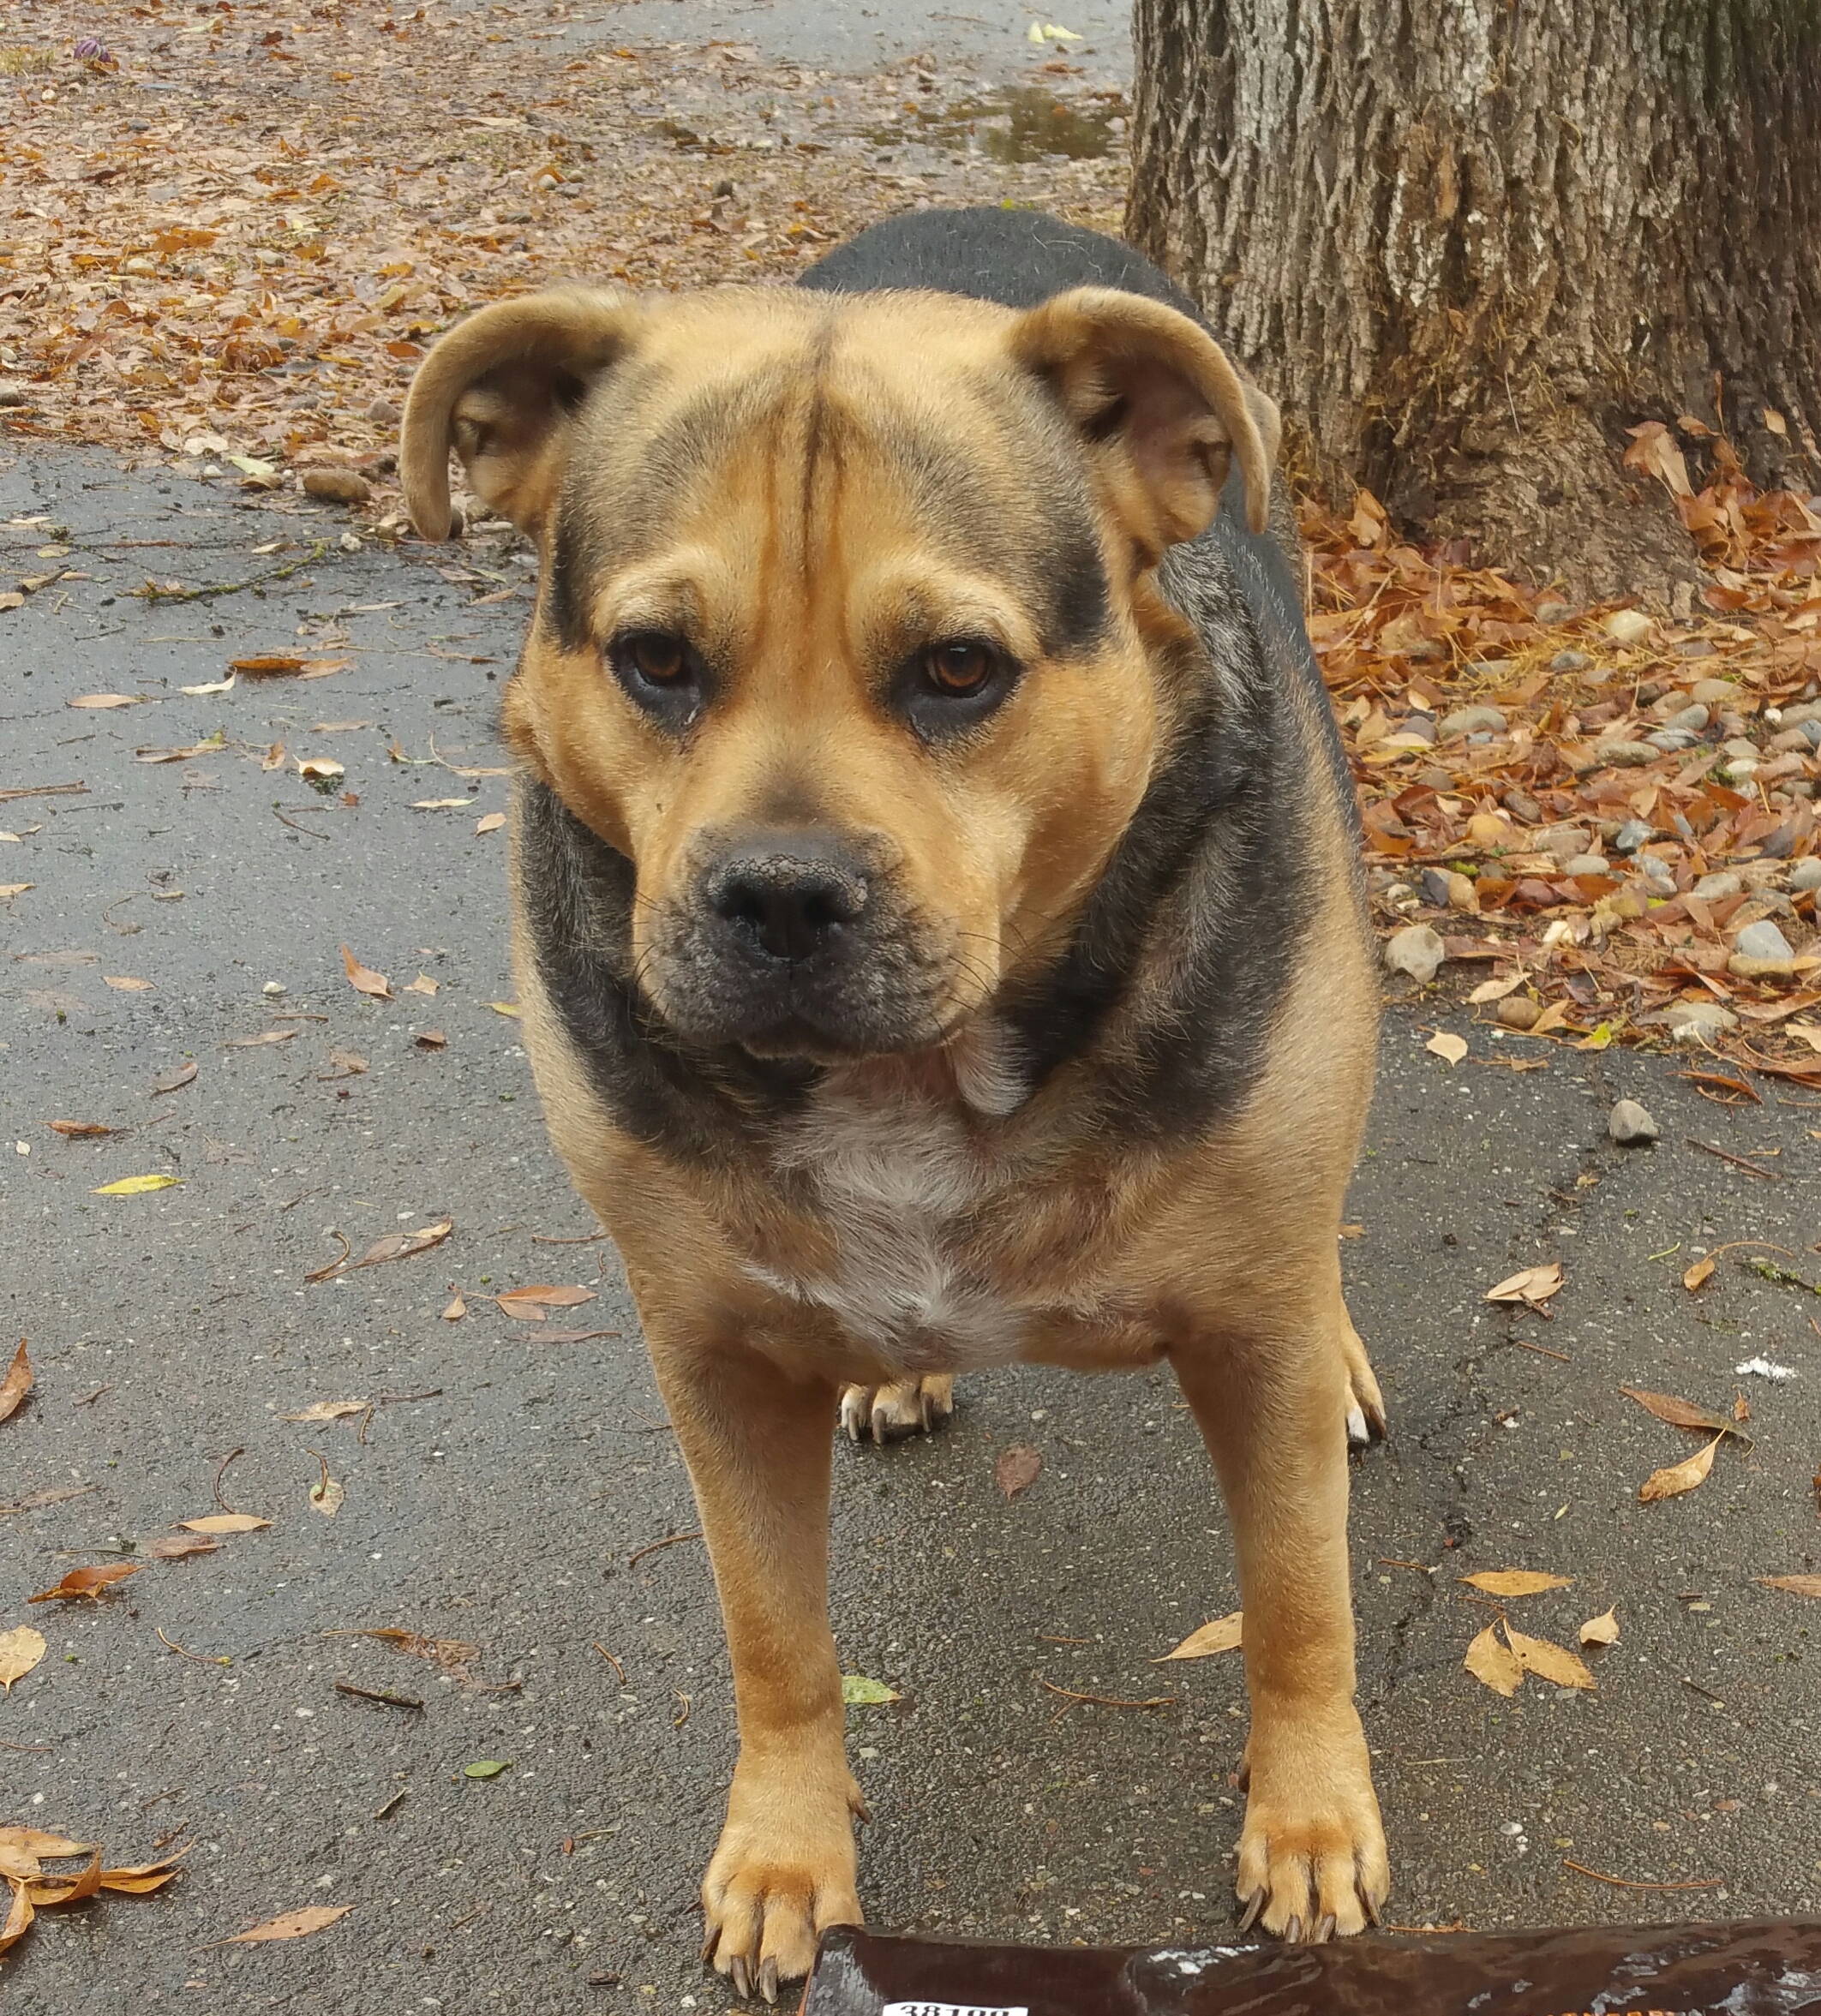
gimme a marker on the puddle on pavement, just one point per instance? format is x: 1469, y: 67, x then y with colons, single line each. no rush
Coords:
x: 1022, y: 124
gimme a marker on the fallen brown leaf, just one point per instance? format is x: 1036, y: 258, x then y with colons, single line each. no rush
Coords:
x: 173, y: 1546
x: 100, y: 701
x: 174, y: 1081
x: 86, y: 1582
x: 363, y: 978
x: 432, y: 1039
x: 457, y: 1309
x: 265, y: 1036
x: 291, y: 1924
x: 1679, y: 1477
x: 422, y: 984
x: 1531, y: 1285
x: 35, y: 1842
x: 328, y: 1411
x: 1680, y: 1413
x: 18, y: 1918
x: 1547, y: 1661
x: 1017, y: 1468
x: 489, y: 822
x: 121, y: 983
x: 1493, y: 1663
x: 1450, y: 1049
x: 79, y: 1130
x: 1515, y: 1581
x: 16, y: 1384
x: 1697, y: 1274
x: 21, y: 1650
x: 1222, y: 1634
x: 1794, y: 1585
x: 226, y: 1522
x: 1602, y: 1630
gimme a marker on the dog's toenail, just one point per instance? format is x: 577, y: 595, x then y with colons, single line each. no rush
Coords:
x: 708, y: 1944
x: 1254, y: 1904
x: 768, y: 1980
x: 1324, y: 1930
x: 742, y: 1976
x: 1293, y: 1932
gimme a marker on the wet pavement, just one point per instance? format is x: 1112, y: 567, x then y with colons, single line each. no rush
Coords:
x: 502, y: 1488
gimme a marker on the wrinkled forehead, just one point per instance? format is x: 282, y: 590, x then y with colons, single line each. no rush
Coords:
x: 838, y: 433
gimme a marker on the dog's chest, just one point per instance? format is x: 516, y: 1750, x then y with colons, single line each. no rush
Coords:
x: 900, y: 1182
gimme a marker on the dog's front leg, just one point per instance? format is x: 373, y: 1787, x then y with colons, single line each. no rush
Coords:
x: 757, y: 1447
x: 1271, y: 1399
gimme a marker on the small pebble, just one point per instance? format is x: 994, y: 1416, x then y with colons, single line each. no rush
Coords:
x: 1692, y: 1021
x: 1626, y: 755
x: 1467, y: 720
x: 337, y: 486
x: 273, y: 987
x: 1486, y: 829
x: 12, y: 392
x: 1433, y: 885
x: 1628, y: 626
x: 1762, y: 939
x: 1518, y: 1011
x: 383, y: 413
x: 1716, y: 887
x: 1416, y: 950
x: 1553, y: 611
x: 1630, y: 836
x: 1689, y: 721
x: 1564, y: 842
x: 1714, y: 692
x: 1806, y: 875
x: 1570, y: 662
x: 1672, y: 741
x: 1629, y: 1124
x: 1586, y: 865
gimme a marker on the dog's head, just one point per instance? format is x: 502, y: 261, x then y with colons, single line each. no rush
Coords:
x: 845, y: 636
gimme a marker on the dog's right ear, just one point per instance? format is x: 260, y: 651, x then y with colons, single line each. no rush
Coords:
x: 502, y: 389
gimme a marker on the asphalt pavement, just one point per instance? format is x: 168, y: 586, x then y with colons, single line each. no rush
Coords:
x: 500, y: 1487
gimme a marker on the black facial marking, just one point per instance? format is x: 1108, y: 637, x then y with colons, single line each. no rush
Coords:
x: 576, y: 893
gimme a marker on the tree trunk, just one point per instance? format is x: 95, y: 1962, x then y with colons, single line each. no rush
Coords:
x: 1467, y: 245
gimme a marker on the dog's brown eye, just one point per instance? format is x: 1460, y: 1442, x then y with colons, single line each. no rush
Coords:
x: 656, y: 656
x: 959, y: 669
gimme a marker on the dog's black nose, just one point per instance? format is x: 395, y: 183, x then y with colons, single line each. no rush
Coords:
x: 789, y: 895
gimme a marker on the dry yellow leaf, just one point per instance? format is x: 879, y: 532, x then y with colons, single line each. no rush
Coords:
x: 1697, y: 1274
x: 322, y: 767
x: 1450, y: 1049
x: 225, y: 1523
x: 1602, y: 1630
x: 328, y: 1411
x: 125, y: 985
x: 17, y: 1383
x: 1794, y: 1585
x: 136, y: 1186
x: 21, y: 1650
x: 422, y: 984
x: 1547, y: 1661
x: 363, y: 980
x: 455, y: 1312
x: 1529, y: 1285
x: 490, y: 822
x: 1515, y: 1581
x: 1679, y: 1477
x: 293, y: 1924
x: 1494, y: 1664
x: 105, y: 700
x: 1222, y: 1635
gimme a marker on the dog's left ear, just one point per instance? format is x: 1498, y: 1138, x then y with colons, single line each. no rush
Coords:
x: 1155, y: 388
x: 502, y: 389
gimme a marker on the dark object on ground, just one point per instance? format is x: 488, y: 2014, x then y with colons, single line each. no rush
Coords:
x: 1768, y: 1967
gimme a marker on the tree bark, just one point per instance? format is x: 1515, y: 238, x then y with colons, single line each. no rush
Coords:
x: 1467, y: 245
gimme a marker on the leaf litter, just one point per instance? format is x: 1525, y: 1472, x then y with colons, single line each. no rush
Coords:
x: 25, y: 1850
x: 16, y: 1384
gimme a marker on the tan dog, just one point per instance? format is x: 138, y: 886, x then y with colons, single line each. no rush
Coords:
x: 939, y: 938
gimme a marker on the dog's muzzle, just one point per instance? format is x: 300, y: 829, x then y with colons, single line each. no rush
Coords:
x: 796, y: 941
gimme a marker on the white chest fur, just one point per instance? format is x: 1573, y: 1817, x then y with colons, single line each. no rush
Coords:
x: 898, y: 1174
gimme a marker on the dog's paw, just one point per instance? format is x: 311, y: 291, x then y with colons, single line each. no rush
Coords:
x: 905, y: 1406
x: 1365, y: 1403
x: 778, y: 1880
x: 1312, y: 1861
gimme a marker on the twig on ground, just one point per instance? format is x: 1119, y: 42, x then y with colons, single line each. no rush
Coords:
x: 222, y: 1472
x: 611, y: 1660
x: 1738, y: 1160
x: 1625, y: 1883
x: 201, y: 1658
x: 670, y: 1539
x: 153, y: 593
x: 381, y: 1696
